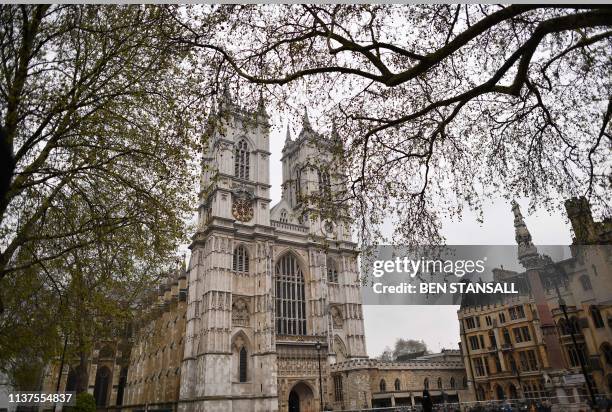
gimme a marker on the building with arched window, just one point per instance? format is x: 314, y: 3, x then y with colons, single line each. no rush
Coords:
x: 375, y: 383
x: 528, y: 345
x: 261, y: 293
x: 259, y: 302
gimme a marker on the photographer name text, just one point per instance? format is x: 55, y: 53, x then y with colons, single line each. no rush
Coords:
x: 439, y: 288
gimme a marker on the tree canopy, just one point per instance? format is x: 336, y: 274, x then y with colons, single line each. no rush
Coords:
x: 439, y: 107
x: 404, y: 347
x: 96, y: 111
x: 102, y: 124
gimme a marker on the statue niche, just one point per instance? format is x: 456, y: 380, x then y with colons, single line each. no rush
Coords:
x: 240, y: 313
x: 336, y: 317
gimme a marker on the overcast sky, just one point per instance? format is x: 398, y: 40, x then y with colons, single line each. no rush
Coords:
x: 436, y: 325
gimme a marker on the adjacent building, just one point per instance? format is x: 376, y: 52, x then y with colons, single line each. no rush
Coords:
x: 150, y: 349
x: 372, y: 383
x: 545, y: 340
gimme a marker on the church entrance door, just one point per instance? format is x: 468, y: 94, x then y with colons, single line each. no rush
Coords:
x: 294, y: 402
x: 301, y: 399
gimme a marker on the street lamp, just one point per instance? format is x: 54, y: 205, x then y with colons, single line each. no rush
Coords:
x: 318, y: 348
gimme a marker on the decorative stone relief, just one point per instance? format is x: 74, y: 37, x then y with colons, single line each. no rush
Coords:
x: 336, y: 317
x: 240, y: 313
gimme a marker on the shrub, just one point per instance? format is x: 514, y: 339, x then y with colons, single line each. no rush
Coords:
x: 85, y: 402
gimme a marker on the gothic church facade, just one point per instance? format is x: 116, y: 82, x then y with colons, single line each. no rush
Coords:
x: 272, y: 291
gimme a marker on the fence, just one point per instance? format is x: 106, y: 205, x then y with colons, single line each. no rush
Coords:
x: 562, y: 404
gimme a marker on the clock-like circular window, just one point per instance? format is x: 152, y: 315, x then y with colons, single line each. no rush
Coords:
x: 242, y: 210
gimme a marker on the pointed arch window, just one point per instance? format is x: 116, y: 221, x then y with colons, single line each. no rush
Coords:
x: 439, y: 383
x: 397, y: 385
x: 242, y: 365
x: 298, y: 185
x: 290, y: 297
x: 241, y: 160
x: 284, y: 217
x: 383, y: 385
x: 332, y: 271
x: 480, y: 393
x: 338, y: 392
x: 597, y: 319
x: 240, y: 261
x: 586, y: 283
x: 452, y: 382
x: 72, y: 380
x: 324, y: 183
x: 426, y: 383
x: 103, y: 376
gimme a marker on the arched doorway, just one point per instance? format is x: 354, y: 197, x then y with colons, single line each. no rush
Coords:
x: 71, y: 380
x: 103, y: 376
x: 480, y: 393
x: 301, y: 399
x: 512, y: 391
x: 294, y: 402
x: 122, y: 383
x: 500, y: 393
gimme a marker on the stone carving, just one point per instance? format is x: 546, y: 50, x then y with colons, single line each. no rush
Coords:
x: 239, y: 341
x: 240, y: 313
x: 340, y: 349
x: 336, y: 317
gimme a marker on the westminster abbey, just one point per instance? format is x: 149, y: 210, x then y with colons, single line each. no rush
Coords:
x: 267, y: 315
x: 270, y: 291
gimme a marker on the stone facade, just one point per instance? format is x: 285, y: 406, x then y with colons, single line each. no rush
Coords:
x: 522, y: 346
x: 151, y: 350
x: 157, y: 350
x: 267, y: 315
x: 370, y: 383
x: 107, y: 367
x: 271, y: 290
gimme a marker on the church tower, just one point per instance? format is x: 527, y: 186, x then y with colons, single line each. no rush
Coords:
x: 229, y: 362
x: 271, y: 290
x: 327, y: 257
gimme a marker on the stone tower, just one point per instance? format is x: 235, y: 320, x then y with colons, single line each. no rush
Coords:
x: 271, y: 290
x: 230, y: 361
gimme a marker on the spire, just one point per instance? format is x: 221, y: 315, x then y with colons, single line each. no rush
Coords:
x: 527, y: 252
x: 261, y: 106
x: 288, y: 140
x: 306, y: 120
x: 225, y: 100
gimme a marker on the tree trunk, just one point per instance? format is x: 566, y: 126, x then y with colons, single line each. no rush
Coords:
x: 82, y: 373
x: 7, y: 169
